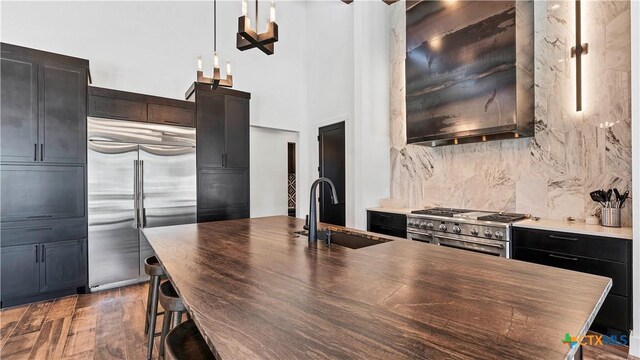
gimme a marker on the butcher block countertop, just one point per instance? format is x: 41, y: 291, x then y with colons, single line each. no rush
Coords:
x: 258, y: 291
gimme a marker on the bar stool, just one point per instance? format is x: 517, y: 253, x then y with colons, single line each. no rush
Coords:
x: 155, y: 271
x: 186, y: 342
x: 173, y: 308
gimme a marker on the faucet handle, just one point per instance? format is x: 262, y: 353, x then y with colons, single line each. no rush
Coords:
x: 306, y: 223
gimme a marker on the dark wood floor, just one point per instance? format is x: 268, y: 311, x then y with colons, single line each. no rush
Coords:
x: 108, y: 325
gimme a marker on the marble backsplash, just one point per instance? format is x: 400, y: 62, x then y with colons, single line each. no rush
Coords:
x: 573, y: 153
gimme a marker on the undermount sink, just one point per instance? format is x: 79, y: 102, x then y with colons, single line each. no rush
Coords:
x: 351, y: 241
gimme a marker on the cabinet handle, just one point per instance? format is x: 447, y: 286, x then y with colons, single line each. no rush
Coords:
x: 41, y: 152
x: 563, y: 257
x: 563, y: 238
x: 37, y: 255
x: 39, y: 216
x: 42, y: 260
x: 35, y: 152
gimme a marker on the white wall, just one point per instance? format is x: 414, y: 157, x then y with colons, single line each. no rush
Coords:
x: 151, y: 47
x: 634, y: 348
x: 269, y: 171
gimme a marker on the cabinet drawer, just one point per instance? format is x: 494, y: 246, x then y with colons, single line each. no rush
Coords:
x: 574, y: 244
x: 614, y: 313
x: 614, y: 270
x: 115, y: 108
x: 381, y: 229
x: 387, y: 219
x: 171, y: 115
x: 43, y: 232
x: 37, y: 192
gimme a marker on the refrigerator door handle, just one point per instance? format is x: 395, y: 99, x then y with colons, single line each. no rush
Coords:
x: 141, y: 212
x: 135, y: 194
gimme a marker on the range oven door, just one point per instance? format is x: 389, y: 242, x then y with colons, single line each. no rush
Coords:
x: 489, y: 247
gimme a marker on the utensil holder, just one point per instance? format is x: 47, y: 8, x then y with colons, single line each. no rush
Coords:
x: 610, y: 217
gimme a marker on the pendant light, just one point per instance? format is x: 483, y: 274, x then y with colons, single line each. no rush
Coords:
x: 247, y: 38
x: 216, y: 80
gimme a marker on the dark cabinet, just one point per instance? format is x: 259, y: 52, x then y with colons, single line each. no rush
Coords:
x: 31, y: 192
x: 63, y: 113
x: 20, y: 270
x: 604, y: 256
x: 387, y: 223
x: 28, y: 270
x: 19, y: 115
x: 123, y: 105
x: 43, y: 107
x: 63, y: 265
x: 42, y: 174
x: 222, y: 131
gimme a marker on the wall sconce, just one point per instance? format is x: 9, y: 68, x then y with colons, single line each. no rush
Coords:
x: 577, y: 52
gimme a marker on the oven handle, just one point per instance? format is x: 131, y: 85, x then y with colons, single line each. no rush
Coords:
x: 498, y: 246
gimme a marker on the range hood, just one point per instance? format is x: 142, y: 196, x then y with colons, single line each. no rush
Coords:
x: 469, y: 71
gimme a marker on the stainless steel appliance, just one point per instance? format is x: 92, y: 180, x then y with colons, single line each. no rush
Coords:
x: 479, y: 231
x: 139, y: 175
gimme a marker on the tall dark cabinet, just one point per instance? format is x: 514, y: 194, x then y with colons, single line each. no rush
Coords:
x: 222, y: 131
x: 43, y: 225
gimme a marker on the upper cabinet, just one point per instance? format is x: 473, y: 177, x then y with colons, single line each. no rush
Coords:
x: 123, y: 105
x: 43, y: 106
x: 236, y: 132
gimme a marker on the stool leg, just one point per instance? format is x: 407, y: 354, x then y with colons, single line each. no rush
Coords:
x: 166, y: 326
x: 176, y: 318
x: 155, y: 282
x: 146, y: 320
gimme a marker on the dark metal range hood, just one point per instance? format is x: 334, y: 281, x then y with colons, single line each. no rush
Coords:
x: 469, y: 80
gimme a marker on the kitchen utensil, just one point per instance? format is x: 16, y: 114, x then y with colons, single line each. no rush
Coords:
x: 617, y: 193
x: 609, y: 193
x: 597, y: 196
x: 623, y: 198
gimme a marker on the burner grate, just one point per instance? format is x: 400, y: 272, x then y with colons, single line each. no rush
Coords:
x: 502, y: 218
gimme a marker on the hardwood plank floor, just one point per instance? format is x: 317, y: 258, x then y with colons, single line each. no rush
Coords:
x: 110, y: 325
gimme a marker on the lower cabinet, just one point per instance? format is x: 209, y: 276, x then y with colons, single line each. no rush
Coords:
x: 602, y: 256
x: 223, y: 194
x: 35, y: 269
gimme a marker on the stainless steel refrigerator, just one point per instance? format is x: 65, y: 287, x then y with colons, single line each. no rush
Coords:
x: 139, y: 175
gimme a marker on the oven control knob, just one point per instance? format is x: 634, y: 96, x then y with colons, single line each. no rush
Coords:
x: 442, y: 227
x: 430, y: 226
x: 423, y: 225
x: 487, y: 233
x: 410, y: 223
x: 456, y: 229
x: 474, y: 232
x: 499, y: 235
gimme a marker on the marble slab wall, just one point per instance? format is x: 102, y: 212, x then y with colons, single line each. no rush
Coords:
x: 573, y: 153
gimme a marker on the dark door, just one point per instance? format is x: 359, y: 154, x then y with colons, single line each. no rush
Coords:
x: 32, y: 192
x: 20, y: 270
x: 19, y: 115
x: 63, y: 265
x: 332, y: 166
x: 210, y: 129
x: 63, y: 113
x: 236, y: 132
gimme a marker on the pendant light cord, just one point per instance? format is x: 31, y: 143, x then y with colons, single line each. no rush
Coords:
x: 215, y: 25
x: 256, y: 16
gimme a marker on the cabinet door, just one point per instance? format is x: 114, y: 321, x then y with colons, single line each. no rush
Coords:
x: 63, y: 113
x: 63, y: 265
x: 19, y: 115
x: 20, y: 270
x: 37, y: 192
x: 116, y: 108
x: 236, y: 132
x: 171, y: 115
x: 210, y: 129
x: 223, y: 189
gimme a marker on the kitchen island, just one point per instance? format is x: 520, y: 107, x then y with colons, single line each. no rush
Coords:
x: 257, y: 290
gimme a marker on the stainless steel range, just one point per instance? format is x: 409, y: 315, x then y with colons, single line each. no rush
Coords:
x: 479, y: 231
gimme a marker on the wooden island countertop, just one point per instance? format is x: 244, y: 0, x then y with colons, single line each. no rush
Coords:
x: 258, y: 291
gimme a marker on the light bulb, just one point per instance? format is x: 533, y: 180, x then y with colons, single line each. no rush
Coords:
x: 244, y: 7
x: 199, y: 63
x: 228, y: 67
x: 216, y: 63
x: 272, y: 12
